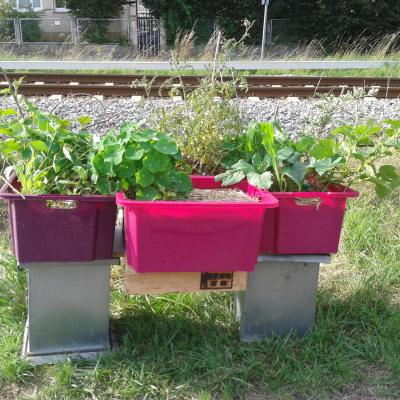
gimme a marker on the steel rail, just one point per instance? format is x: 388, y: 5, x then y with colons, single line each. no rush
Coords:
x: 247, y: 65
x: 35, y: 84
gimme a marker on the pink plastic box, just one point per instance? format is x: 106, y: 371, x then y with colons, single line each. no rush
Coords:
x: 187, y: 236
x: 57, y: 228
x: 305, y: 222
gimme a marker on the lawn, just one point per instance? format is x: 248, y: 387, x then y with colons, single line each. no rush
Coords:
x: 185, y: 346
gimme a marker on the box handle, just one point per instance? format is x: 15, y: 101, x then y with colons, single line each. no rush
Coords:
x: 62, y: 204
x: 308, y: 201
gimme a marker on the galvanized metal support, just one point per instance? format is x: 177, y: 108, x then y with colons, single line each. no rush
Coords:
x: 280, y: 298
x: 68, y: 310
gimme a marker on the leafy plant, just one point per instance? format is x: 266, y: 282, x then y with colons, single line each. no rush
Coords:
x: 46, y: 155
x: 269, y: 159
x: 208, y: 114
x: 142, y: 163
x: 200, y: 125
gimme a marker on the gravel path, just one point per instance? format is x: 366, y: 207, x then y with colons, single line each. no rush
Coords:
x: 294, y: 114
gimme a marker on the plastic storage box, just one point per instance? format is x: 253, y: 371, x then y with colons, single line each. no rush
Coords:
x: 188, y: 236
x: 305, y: 222
x: 57, y: 228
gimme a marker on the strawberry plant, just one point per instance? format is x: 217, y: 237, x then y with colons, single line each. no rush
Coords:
x: 269, y: 159
x: 43, y: 151
x: 141, y: 162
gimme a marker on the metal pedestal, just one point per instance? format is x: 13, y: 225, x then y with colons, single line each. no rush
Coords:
x: 281, y: 296
x: 68, y: 310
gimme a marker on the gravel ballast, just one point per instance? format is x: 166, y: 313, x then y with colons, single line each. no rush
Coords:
x: 295, y: 115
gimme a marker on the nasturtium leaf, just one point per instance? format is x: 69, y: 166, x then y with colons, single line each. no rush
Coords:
x: 144, y: 177
x: 134, y: 153
x: 148, y: 194
x: 142, y: 136
x: 113, y: 153
x: 156, y: 161
x: 183, y: 183
x: 166, y: 146
x: 125, y: 169
x: 39, y: 145
x: 84, y: 120
x: 261, y: 181
x: 100, y: 165
x: 103, y: 185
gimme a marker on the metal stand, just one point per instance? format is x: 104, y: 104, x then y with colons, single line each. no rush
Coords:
x: 68, y: 310
x: 281, y: 296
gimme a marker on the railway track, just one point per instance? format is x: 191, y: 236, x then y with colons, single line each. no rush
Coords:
x: 43, y: 84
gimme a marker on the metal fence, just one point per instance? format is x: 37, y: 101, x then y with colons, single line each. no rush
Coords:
x: 148, y: 35
x: 46, y: 30
x: 7, y: 31
x: 280, y: 31
x: 104, y: 31
x: 143, y: 33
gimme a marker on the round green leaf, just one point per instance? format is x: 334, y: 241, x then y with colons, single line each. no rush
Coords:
x: 100, y: 165
x: 148, y: 193
x: 144, y: 177
x: 125, y: 169
x: 113, y: 153
x: 134, y: 153
x: 156, y: 162
x: 166, y: 146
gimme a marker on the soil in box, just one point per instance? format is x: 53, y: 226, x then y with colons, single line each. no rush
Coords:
x: 57, y: 228
x: 305, y: 223
x: 195, y: 236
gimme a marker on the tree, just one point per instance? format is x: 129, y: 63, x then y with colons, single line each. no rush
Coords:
x: 199, y: 14
x: 95, y: 8
x: 340, y: 20
x: 324, y: 19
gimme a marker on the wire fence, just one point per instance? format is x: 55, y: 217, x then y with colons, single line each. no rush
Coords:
x: 7, y: 30
x: 143, y: 33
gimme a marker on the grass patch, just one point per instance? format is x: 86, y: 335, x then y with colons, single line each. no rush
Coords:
x: 185, y: 346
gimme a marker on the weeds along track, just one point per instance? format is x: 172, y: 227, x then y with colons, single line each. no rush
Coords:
x: 43, y: 84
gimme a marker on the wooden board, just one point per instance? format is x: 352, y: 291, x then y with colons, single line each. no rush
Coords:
x: 168, y: 282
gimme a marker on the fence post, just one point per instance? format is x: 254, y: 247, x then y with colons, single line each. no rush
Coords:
x: 74, y: 31
x: 269, y: 32
x: 133, y: 33
x: 18, y: 31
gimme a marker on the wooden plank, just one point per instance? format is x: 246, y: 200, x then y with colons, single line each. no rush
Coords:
x: 169, y: 282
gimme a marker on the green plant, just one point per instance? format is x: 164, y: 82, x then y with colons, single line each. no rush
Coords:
x: 43, y: 151
x: 199, y: 125
x: 142, y: 163
x: 269, y: 159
